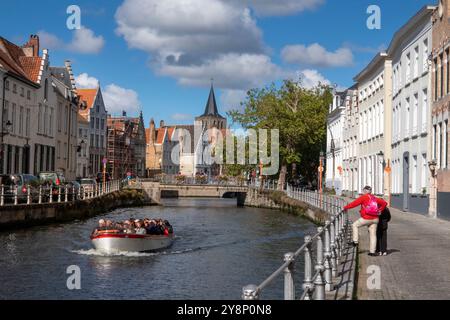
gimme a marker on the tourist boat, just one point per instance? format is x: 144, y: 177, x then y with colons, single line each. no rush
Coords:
x: 110, y: 242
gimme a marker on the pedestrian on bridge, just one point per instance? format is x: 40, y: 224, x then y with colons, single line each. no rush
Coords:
x: 371, y: 207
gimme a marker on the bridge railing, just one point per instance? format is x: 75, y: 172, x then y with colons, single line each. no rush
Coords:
x: 14, y: 195
x: 322, y: 253
x: 201, y: 180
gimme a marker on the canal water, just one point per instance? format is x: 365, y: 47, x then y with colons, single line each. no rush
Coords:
x: 218, y: 249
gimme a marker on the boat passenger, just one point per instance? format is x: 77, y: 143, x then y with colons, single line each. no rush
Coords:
x: 140, y: 229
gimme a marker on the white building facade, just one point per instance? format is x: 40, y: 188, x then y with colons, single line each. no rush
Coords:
x: 409, y: 51
x: 350, y: 146
x: 334, y: 156
x: 374, y: 128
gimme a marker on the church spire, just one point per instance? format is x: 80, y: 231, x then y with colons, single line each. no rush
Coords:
x: 211, y: 105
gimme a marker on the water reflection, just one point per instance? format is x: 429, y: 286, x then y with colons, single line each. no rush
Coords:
x: 218, y: 249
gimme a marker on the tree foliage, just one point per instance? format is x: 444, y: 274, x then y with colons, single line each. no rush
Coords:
x: 298, y: 113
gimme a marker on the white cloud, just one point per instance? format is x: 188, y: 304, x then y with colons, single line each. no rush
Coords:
x: 231, y: 99
x: 184, y: 31
x: 84, y: 81
x: 83, y: 41
x: 311, y: 78
x: 118, y: 99
x: 232, y: 71
x: 281, y: 7
x: 49, y: 41
x: 316, y: 55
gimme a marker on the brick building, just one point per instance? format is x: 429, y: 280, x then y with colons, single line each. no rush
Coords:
x: 441, y: 106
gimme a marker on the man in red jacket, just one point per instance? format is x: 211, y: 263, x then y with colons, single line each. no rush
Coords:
x: 369, y: 217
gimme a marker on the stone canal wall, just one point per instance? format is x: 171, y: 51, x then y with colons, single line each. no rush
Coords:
x: 279, y: 200
x: 19, y: 216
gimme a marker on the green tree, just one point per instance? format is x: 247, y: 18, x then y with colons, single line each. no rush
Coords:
x: 300, y: 116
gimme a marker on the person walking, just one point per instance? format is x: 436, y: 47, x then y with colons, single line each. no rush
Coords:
x: 371, y: 207
x: 382, y: 228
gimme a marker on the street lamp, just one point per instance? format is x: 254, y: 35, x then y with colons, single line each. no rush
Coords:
x: 321, y: 160
x: 432, y: 211
x: 80, y: 147
x: 432, y: 165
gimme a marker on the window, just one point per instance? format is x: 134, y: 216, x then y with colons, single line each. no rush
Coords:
x: 448, y: 71
x: 424, y: 110
x: 21, y: 121
x: 424, y: 173
x: 66, y: 114
x: 27, y: 123
x: 22, y: 92
x: 92, y: 140
x: 40, y: 118
x: 414, y: 175
x: 28, y: 94
x: 92, y: 122
x: 407, y: 117
x: 416, y: 62
x: 14, y: 88
x: 445, y: 144
x: 97, y: 123
x: 58, y: 153
x: 436, y: 79
x: 103, y: 124
x: 50, y: 125
x: 442, y: 75
x: 46, y: 89
x: 7, y: 85
x: 98, y: 108
x: 13, y: 118
x: 408, y: 67
x: 425, y: 56
x: 80, y: 133
x: 45, y: 120
x: 101, y: 142
x: 415, y: 113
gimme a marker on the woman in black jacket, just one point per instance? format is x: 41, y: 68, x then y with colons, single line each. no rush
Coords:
x: 382, y: 228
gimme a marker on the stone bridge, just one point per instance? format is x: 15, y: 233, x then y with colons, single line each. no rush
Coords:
x: 156, y: 191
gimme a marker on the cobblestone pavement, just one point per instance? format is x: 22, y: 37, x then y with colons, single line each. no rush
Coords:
x: 418, y: 264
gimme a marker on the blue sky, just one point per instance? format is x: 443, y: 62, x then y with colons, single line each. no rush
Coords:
x: 159, y: 55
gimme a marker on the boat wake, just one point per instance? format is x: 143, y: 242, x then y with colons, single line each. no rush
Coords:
x: 262, y: 240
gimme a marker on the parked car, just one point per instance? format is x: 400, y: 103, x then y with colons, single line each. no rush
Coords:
x: 56, y: 178
x: 87, y: 185
x: 22, y: 182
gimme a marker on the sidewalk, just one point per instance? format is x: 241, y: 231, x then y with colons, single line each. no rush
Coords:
x: 418, y: 264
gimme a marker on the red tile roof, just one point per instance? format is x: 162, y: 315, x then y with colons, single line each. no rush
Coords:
x: 88, y: 96
x: 32, y: 67
x: 14, y: 60
x: 160, y: 134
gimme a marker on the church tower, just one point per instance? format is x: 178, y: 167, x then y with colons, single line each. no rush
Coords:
x: 211, y: 117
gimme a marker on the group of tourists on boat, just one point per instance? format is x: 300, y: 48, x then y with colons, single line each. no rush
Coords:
x: 144, y: 226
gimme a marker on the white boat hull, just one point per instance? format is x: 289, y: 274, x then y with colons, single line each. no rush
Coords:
x: 113, y: 243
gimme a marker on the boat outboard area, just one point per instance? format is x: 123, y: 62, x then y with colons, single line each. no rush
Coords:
x: 132, y: 235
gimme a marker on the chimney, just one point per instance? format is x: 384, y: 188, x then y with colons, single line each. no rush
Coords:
x: 161, y: 124
x: 152, y: 131
x: 32, y: 46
